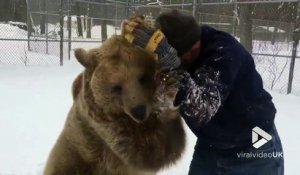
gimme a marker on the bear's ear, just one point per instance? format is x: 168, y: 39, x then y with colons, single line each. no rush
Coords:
x: 83, y: 58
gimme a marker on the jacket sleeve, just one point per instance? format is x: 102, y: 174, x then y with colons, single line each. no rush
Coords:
x: 201, y: 96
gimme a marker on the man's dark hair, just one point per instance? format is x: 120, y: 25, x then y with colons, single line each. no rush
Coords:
x: 182, y: 31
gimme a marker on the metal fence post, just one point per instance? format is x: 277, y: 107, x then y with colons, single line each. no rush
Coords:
x: 61, y: 45
x: 294, y: 51
x: 28, y: 25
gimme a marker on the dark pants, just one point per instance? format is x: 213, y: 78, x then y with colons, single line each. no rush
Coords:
x: 212, y: 161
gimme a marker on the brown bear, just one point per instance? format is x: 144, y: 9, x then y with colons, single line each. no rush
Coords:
x: 120, y: 123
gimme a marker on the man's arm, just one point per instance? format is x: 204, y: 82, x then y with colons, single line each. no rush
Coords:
x: 201, y: 96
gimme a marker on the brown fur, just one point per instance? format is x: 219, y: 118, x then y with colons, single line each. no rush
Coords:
x: 101, y: 136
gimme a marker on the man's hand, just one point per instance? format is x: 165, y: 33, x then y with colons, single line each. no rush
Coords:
x: 138, y: 32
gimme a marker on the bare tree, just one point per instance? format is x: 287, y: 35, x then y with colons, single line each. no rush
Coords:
x: 275, y: 69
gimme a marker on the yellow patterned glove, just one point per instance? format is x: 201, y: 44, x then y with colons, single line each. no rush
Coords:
x: 138, y: 32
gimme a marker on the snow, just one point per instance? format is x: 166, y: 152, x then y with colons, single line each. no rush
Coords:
x: 271, y: 29
x: 34, y: 104
x: 16, y: 53
x: 12, y: 32
x: 202, y: 100
x: 35, y: 101
x: 275, y: 69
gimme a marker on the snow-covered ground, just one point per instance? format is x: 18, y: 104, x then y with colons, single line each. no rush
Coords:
x: 15, y: 52
x: 34, y: 102
x: 274, y: 69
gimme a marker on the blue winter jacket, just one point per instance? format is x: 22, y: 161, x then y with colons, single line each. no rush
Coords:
x: 222, y: 96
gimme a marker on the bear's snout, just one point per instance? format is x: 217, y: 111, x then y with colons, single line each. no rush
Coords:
x: 139, y: 112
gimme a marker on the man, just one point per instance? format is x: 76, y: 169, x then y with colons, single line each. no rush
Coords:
x: 220, y: 97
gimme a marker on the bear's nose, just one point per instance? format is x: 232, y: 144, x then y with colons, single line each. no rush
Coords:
x: 139, y: 112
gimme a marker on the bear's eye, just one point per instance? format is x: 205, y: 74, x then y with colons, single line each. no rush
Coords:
x: 116, y: 89
x: 145, y: 79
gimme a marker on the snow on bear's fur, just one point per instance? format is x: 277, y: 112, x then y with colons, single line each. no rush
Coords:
x: 117, y: 125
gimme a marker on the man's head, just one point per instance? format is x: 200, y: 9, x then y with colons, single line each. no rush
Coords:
x: 183, y: 33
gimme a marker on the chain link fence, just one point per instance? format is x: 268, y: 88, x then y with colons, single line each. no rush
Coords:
x: 272, y: 45
x: 55, y: 28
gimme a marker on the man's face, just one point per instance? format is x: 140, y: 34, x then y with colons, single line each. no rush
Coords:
x: 189, y: 57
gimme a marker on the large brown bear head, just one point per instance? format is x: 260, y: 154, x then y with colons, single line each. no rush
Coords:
x: 120, y: 77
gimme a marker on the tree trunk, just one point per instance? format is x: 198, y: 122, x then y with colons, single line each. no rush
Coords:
x: 103, y: 30
x: 246, y: 26
x: 89, y: 23
x: 84, y: 22
x: 89, y: 28
x: 79, y: 24
x: 274, y: 34
x: 43, y: 17
x: 103, y: 24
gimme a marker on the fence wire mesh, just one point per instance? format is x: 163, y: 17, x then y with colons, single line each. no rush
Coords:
x: 54, y: 28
